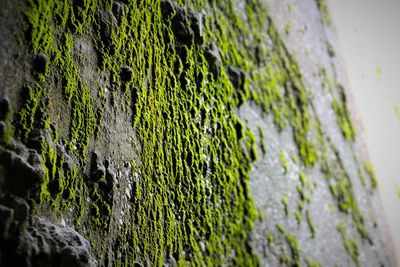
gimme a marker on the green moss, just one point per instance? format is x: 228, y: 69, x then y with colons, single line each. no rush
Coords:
x: 352, y: 249
x: 263, y: 140
x: 294, y: 247
x: 371, y: 173
x: 288, y: 27
x: 288, y: 108
x: 301, y: 192
x: 298, y: 217
x: 311, y: 224
x: 343, y: 120
x: 339, y: 105
x: 361, y: 176
x: 25, y: 118
x: 282, y: 159
x: 397, y: 111
x: 300, y: 205
x: 56, y: 41
x: 323, y: 8
x: 285, y: 203
x: 397, y: 187
x: 173, y: 206
x: 304, y: 180
x: 327, y: 82
x: 349, y: 244
x: 270, y: 238
x: 313, y: 263
x: 342, y: 190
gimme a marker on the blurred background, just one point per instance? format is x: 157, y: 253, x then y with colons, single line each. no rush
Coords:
x: 369, y: 37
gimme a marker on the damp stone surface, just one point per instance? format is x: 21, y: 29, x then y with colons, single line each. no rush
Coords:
x: 181, y: 133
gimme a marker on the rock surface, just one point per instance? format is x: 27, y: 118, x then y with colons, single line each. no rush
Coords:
x: 181, y: 132
x: 45, y: 244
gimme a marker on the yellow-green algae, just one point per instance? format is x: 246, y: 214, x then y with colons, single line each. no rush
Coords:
x: 397, y: 187
x: 397, y: 111
x: 349, y: 244
x: 195, y: 154
x: 323, y: 7
x: 283, y: 160
x: 371, y: 173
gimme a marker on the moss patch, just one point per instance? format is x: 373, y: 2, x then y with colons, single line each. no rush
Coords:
x: 181, y: 76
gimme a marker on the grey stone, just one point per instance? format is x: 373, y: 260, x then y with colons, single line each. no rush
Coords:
x: 18, y: 205
x: 6, y: 215
x: 47, y: 244
x: 40, y: 63
x: 98, y: 171
x: 21, y: 177
x: 181, y: 28
x: 167, y: 7
x: 213, y: 58
x: 119, y: 10
x: 196, y: 25
x: 37, y: 138
x: 126, y: 74
x: 4, y: 108
x: 68, y: 162
x: 236, y: 76
x: 2, y: 131
x: 107, y: 24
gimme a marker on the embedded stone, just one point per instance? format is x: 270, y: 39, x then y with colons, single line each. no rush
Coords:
x: 18, y: 205
x: 107, y: 24
x: 126, y: 74
x: 196, y: 25
x: 119, y: 10
x: 21, y: 176
x: 98, y: 171
x: 180, y: 27
x: 2, y: 131
x: 213, y: 58
x: 37, y: 138
x: 236, y: 76
x: 47, y: 244
x: 6, y: 215
x: 40, y: 63
x: 167, y: 7
x: 4, y: 108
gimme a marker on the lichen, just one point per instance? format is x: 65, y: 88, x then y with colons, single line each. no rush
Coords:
x: 25, y: 118
x: 343, y: 120
x: 282, y: 159
x: 397, y: 111
x: 285, y: 203
x: 263, y: 142
x: 311, y: 224
x: 349, y: 244
x: 291, y: 239
x: 397, y: 190
x: 288, y: 28
x: 371, y: 173
x: 323, y: 8
x: 298, y: 217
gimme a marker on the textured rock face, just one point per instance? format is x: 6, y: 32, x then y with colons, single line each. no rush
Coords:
x: 42, y: 243
x: 180, y: 132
